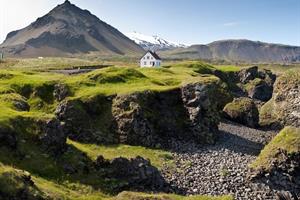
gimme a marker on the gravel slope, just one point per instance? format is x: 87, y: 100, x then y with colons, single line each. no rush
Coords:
x: 221, y: 168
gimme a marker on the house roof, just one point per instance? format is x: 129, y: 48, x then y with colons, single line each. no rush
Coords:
x: 153, y: 54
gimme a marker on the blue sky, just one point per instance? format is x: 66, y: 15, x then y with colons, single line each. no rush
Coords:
x: 186, y: 21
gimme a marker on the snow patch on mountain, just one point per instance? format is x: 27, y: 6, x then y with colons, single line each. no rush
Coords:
x: 153, y: 42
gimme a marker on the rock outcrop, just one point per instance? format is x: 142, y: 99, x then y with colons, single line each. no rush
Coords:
x: 146, y: 118
x: 138, y: 173
x: 87, y: 121
x: 149, y: 118
x: 61, y: 91
x: 52, y: 136
x: 17, y: 184
x: 284, y: 107
x: 243, y: 110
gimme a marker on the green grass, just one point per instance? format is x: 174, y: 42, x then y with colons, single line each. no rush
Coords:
x: 28, y: 80
x: 156, y: 156
x: 288, y: 140
x: 228, y: 68
x: 142, y: 196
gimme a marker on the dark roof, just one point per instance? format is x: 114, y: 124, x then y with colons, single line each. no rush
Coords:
x: 153, y: 54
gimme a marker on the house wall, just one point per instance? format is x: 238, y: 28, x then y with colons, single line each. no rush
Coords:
x: 147, y: 61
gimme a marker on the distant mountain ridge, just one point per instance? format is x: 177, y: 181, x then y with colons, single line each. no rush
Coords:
x: 67, y: 30
x: 238, y: 50
x: 153, y: 42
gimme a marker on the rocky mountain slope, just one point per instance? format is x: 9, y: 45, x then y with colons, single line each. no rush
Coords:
x: 238, y: 50
x: 66, y: 30
x: 153, y: 42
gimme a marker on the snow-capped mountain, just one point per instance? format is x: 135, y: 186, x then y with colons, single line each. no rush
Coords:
x: 153, y: 42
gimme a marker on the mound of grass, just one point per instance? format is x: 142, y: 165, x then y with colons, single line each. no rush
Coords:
x: 156, y: 156
x: 115, y: 75
x: 143, y: 196
x: 287, y: 140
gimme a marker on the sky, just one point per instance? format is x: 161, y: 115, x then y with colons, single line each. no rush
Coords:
x: 184, y: 21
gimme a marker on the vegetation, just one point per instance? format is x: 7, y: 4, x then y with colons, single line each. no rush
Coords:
x: 31, y: 82
x: 141, y: 196
x: 287, y: 140
x: 156, y: 156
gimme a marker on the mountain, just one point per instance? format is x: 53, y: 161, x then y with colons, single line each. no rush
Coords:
x: 67, y: 30
x: 238, y: 50
x: 153, y: 42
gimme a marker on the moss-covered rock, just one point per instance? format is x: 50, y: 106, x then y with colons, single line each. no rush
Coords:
x: 284, y: 107
x: 242, y: 110
x: 259, y: 89
x: 279, y: 162
x: 17, y: 184
x: 150, y: 118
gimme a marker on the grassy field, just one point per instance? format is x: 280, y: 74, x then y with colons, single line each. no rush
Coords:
x: 32, y: 82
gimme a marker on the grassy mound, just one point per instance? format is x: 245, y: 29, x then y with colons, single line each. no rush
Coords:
x: 287, y: 140
x: 115, y: 75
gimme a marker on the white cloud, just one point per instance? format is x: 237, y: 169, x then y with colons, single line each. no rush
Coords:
x: 231, y: 24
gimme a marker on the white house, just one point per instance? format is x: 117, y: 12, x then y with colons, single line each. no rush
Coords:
x: 150, y: 59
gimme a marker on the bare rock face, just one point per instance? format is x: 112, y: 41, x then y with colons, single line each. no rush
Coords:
x: 242, y: 110
x: 52, y: 136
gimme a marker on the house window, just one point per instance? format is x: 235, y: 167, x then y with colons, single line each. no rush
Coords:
x: 148, y: 57
x: 145, y: 63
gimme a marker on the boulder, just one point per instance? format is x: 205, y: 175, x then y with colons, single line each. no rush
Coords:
x: 8, y: 138
x: 242, y: 110
x: 138, y: 173
x: 260, y: 90
x: 61, y: 91
x: 52, y: 136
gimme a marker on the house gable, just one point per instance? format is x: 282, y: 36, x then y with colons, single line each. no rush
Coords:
x: 150, y: 59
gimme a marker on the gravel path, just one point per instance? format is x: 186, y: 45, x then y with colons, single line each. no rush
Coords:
x: 221, y: 168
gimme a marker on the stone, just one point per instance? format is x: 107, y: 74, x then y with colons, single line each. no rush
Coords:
x: 243, y: 110
x: 260, y: 91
